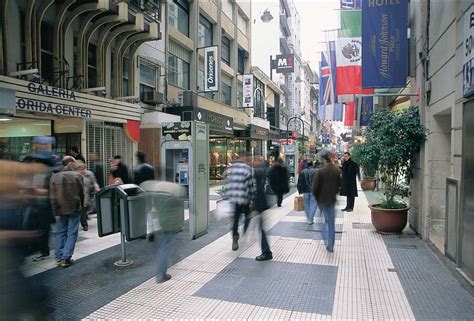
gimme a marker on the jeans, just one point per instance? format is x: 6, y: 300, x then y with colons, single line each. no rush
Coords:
x: 310, y: 206
x: 264, y: 242
x: 240, y: 209
x: 164, y: 241
x: 67, y: 228
x: 328, y: 233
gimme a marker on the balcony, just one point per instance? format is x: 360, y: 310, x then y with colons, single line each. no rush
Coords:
x: 150, y: 8
x: 285, y: 27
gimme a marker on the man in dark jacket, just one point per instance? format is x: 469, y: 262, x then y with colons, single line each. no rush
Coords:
x: 326, y: 184
x: 350, y: 170
x: 118, y: 170
x: 305, y: 182
x: 142, y: 172
x: 260, y: 205
x: 278, y: 178
x: 67, y: 201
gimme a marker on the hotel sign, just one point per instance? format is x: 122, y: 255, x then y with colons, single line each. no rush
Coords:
x: 211, y: 79
x: 62, y: 109
x: 468, y: 53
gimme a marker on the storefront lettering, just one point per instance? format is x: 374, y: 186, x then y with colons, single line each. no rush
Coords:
x: 50, y: 91
x: 55, y: 109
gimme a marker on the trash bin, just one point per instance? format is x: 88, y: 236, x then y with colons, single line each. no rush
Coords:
x: 167, y: 200
x: 108, y: 213
x: 132, y: 207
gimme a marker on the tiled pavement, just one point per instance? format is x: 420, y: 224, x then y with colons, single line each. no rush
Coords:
x: 365, y: 278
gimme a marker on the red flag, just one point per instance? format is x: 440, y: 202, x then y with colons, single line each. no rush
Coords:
x: 349, y: 114
x: 349, y: 81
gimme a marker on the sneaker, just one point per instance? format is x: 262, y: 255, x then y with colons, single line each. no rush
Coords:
x: 264, y: 257
x: 85, y: 228
x: 349, y: 210
x: 310, y: 222
x: 164, y: 278
x: 235, y: 245
x: 151, y: 237
x: 40, y: 257
x: 67, y: 263
x: 329, y: 249
x: 344, y: 209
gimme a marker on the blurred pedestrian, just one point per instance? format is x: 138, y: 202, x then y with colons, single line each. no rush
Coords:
x: 350, y: 170
x: 304, y: 186
x: 38, y: 212
x: 168, y: 207
x: 118, y: 171
x: 74, y: 152
x: 326, y: 185
x: 141, y: 173
x: 260, y: 205
x: 303, y: 163
x: 67, y: 200
x: 278, y: 177
x: 90, y: 188
x: 240, y: 192
x: 97, y: 168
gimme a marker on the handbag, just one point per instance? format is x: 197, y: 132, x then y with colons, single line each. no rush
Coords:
x: 224, y: 209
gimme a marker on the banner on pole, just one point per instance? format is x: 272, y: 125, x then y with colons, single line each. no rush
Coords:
x: 366, y: 110
x: 247, y: 90
x: 385, y: 44
x: 211, y: 79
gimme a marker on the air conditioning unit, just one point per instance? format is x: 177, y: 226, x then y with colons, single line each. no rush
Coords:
x: 153, y: 97
x: 189, y: 98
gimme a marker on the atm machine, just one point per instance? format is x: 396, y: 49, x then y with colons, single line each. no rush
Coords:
x: 185, y: 150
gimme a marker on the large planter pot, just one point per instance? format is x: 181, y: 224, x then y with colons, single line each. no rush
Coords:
x: 368, y: 184
x: 389, y: 221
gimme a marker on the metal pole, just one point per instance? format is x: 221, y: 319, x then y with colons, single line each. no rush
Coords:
x: 123, y: 261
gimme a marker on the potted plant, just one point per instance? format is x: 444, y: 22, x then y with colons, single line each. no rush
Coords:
x: 367, y: 157
x: 396, y: 137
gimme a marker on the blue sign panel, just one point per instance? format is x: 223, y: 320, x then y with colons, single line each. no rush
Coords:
x: 384, y: 43
x: 366, y: 110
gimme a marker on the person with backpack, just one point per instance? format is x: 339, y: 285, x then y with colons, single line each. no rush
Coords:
x: 304, y: 186
x: 278, y: 178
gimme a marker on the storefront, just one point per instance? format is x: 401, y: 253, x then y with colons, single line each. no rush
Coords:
x: 99, y: 127
x: 256, y: 139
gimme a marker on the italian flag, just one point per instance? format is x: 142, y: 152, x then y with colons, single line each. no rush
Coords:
x: 349, y: 55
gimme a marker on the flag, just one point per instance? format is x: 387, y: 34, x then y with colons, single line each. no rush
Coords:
x: 349, y: 55
x: 351, y: 4
x: 349, y: 114
x: 366, y: 111
x: 325, y: 84
x: 329, y: 112
x: 322, y: 112
x: 338, y: 112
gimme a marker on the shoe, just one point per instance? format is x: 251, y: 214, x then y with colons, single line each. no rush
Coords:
x: 329, y: 249
x: 67, y: 263
x: 40, y: 257
x: 310, y: 222
x: 151, y: 237
x: 164, y: 278
x: 264, y: 257
x: 344, y: 209
x: 235, y: 245
x: 349, y: 210
x: 85, y: 228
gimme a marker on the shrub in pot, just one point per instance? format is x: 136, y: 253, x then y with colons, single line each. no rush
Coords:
x: 397, y: 137
x: 367, y: 157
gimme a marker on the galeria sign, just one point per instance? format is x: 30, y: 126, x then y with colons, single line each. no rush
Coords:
x: 211, y: 81
x: 468, y: 53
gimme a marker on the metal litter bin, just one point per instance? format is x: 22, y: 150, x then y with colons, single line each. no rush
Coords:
x: 132, y: 206
x: 108, y: 212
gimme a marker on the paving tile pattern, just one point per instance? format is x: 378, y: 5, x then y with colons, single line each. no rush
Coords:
x: 300, y: 287
x: 302, y: 230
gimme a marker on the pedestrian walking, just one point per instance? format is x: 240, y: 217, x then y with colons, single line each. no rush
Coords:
x: 74, y: 152
x: 97, y: 168
x: 168, y: 205
x: 303, y: 163
x: 118, y: 171
x: 304, y: 186
x: 326, y: 185
x: 141, y: 173
x: 350, y: 170
x: 260, y: 205
x: 90, y: 188
x: 240, y: 192
x: 67, y: 200
x: 278, y: 177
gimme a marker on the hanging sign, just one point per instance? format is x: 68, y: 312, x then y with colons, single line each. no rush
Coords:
x: 468, y: 53
x: 248, y: 90
x: 211, y: 82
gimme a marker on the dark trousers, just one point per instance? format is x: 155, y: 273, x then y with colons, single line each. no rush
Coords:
x: 350, y: 202
x: 279, y: 199
x: 164, y: 248
x: 240, y: 209
x: 84, y: 216
x: 264, y: 242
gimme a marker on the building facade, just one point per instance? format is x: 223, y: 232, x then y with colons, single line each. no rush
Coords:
x: 442, y: 191
x: 76, y: 70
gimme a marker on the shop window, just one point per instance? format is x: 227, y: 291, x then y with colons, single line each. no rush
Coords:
x: 178, y: 74
x: 225, y: 50
x: 226, y: 94
x: 179, y: 16
x: 147, y: 79
x: 242, y: 58
x: 92, y: 66
x: 223, y: 152
x: 46, y: 67
x: 205, y: 32
x: 125, y: 77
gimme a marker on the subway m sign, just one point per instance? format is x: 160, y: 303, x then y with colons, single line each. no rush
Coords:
x: 284, y: 64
